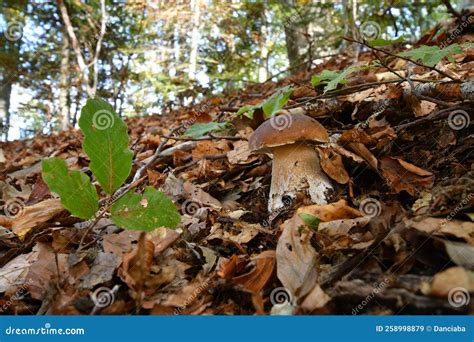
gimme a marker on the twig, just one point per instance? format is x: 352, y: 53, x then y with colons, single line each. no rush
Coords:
x: 110, y: 201
x: 209, y: 137
x: 438, y: 102
x: 402, y: 57
x: 353, y: 89
x: 451, y: 10
x: 206, y: 157
x: 436, y: 115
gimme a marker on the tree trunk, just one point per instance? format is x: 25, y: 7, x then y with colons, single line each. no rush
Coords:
x: 355, y: 32
x: 5, y: 92
x: 91, y: 89
x: 296, y: 44
x: 64, y: 85
x: 10, y: 44
x: 196, y: 18
x: 263, y: 67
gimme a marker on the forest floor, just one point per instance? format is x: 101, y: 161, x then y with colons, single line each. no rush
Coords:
x: 397, y: 238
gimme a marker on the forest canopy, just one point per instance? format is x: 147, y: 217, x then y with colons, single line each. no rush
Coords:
x: 148, y: 57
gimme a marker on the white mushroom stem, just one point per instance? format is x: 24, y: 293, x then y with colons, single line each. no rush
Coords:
x: 296, y: 169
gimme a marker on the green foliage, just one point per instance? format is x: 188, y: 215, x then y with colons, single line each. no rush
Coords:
x: 332, y: 78
x: 431, y: 55
x: 106, y: 144
x: 200, y: 129
x: 310, y: 220
x: 385, y: 42
x: 77, y: 193
x: 324, y: 77
x: 146, y: 212
x: 270, y: 106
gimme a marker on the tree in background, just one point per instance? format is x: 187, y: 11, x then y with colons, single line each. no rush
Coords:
x: 146, y: 57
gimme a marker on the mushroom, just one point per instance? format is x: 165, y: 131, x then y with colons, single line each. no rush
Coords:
x: 295, y: 166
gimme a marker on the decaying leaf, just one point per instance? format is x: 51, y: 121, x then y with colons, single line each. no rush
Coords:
x: 333, y: 211
x: 255, y: 280
x: 402, y: 175
x: 332, y: 165
x: 452, y: 278
x: 296, y: 258
x: 136, y: 265
x: 443, y: 227
x: 33, y: 217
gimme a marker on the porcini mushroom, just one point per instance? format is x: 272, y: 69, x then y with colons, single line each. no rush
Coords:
x: 295, y: 166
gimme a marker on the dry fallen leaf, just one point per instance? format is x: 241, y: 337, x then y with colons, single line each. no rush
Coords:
x: 452, y: 278
x: 316, y: 299
x: 255, y: 280
x: 34, y: 216
x: 443, y: 227
x: 136, y: 265
x: 296, y: 258
x: 332, y: 165
x: 402, y: 175
x: 240, y: 154
x: 329, y: 212
x: 101, y: 271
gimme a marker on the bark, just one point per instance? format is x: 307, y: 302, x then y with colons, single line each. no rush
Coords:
x: 5, y: 92
x: 296, y: 44
x: 12, y: 11
x: 345, y: 18
x: 196, y: 19
x: 77, y: 102
x: 355, y: 33
x: 64, y: 85
x: 91, y: 89
x: 263, y: 67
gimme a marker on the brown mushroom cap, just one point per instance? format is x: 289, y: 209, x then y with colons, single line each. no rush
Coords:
x: 286, y: 129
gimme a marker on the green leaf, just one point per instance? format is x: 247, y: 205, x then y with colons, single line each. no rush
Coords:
x: 271, y: 105
x: 323, y: 77
x: 276, y: 102
x: 310, y: 220
x: 147, y: 212
x: 200, y: 129
x: 431, y: 55
x: 385, y: 42
x: 77, y: 193
x: 106, y: 144
x: 341, y: 77
x: 247, y: 111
